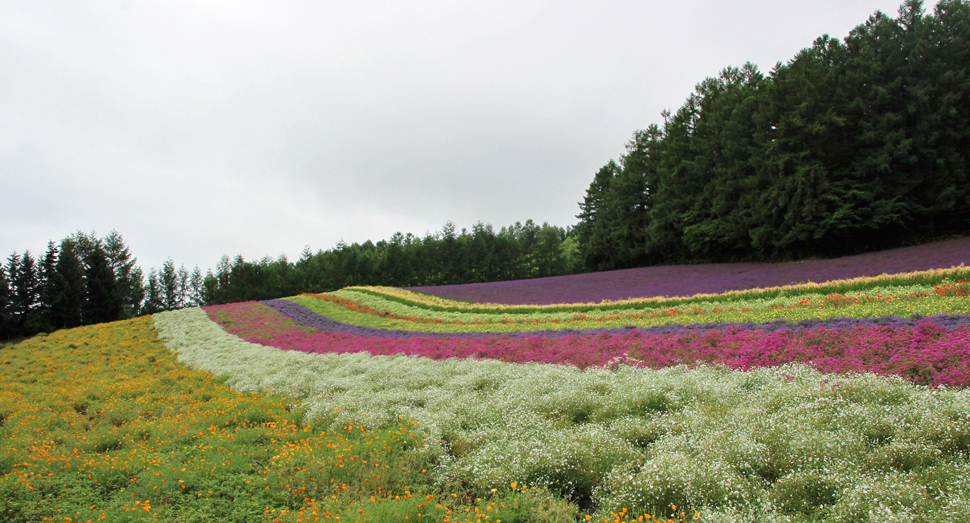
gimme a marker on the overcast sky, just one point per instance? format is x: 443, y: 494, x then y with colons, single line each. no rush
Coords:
x: 211, y: 127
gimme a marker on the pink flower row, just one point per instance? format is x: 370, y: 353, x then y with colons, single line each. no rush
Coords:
x: 926, y: 353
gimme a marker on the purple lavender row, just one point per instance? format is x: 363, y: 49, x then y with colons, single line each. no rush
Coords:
x: 687, y: 280
x: 308, y: 318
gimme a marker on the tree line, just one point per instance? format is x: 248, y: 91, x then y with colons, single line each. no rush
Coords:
x: 853, y: 145
x: 448, y: 256
x: 85, y: 279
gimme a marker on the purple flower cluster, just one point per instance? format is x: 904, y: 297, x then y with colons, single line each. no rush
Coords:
x: 687, y: 280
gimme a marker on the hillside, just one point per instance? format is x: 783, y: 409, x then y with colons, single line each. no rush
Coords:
x: 843, y: 403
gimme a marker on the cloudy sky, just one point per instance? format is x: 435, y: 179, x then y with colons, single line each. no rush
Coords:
x: 210, y: 127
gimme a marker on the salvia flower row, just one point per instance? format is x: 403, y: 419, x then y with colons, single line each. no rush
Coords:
x: 835, y: 275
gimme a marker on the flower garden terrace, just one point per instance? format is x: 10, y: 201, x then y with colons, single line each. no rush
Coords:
x: 843, y: 401
x: 917, y: 331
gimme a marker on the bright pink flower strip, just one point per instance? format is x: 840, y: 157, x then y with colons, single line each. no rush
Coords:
x: 926, y: 354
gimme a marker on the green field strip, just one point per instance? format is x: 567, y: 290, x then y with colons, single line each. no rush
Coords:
x: 381, y: 303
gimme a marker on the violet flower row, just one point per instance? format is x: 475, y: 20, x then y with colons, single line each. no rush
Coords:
x: 687, y: 280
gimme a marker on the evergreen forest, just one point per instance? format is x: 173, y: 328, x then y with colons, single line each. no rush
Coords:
x: 853, y: 145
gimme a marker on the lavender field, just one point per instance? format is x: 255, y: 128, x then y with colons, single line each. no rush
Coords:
x: 688, y: 280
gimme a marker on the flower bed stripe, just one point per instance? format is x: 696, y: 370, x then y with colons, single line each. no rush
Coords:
x: 689, y: 280
x: 925, y: 351
x: 309, y: 318
x: 792, y: 310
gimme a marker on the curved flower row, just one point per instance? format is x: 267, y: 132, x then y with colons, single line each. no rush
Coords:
x: 375, y: 301
x: 953, y: 281
x: 314, y: 320
x: 351, y: 312
x: 931, y: 351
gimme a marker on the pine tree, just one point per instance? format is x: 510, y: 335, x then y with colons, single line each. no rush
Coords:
x: 184, y: 290
x: 633, y: 190
x: 169, y: 280
x: 153, y: 295
x: 102, y: 300
x: 197, y: 290
x: 67, y: 288
x: 127, y: 275
x: 25, y: 284
x: 7, y: 326
x: 596, y: 221
x: 46, y: 287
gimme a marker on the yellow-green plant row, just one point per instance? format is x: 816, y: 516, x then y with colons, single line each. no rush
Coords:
x: 891, y: 296
x: 368, y: 310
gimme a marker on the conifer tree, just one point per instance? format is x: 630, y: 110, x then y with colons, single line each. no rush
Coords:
x: 196, y: 289
x: 596, y: 219
x: 67, y: 288
x: 102, y: 300
x: 153, y: 295
x: 25, y: 283
x: 47, y: 279
x: 168, y: 278
x: 127, y: 275
x: 7, y: 327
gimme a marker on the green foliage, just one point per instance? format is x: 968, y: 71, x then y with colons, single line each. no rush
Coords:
x: 102, y: 301
x: 67, y: 288
x: 72, y: 285
x: 127, y: 275
x: 852, y: 145
x: 25, y: 287
x: 520, y: 251
x: 7, y: 321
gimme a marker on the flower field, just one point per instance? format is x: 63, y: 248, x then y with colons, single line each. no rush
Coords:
x: 102, y: 423
x: 846, y: 400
